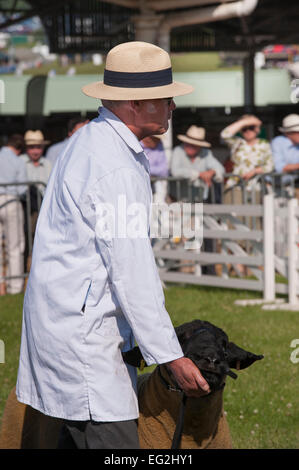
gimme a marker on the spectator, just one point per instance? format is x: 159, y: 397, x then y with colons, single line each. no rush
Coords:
x: 154, y: 150
x: 56, y: 149
x: 13, y: 170
x: 250, y: 155
x: 194, y: 160
x: 285, y: 148
x: 38, y: 170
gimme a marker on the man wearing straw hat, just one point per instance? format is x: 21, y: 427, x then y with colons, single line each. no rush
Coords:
x: 285, y: 148
x: 38, y: 170
x: 38, y: 167
x: 194, y: 160
x: 93, y: 285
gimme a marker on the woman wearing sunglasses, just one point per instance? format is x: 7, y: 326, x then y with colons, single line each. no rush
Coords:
x: 250, y: 156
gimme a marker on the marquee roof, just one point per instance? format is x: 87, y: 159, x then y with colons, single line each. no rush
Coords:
x: 95, y: 25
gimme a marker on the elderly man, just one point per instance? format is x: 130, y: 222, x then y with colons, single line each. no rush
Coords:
x: 38, y: 167
x: 193, y: 159
x: 285, y: 147
x: 38, y: 170
x: 93, y: 284
x: 11, y: 215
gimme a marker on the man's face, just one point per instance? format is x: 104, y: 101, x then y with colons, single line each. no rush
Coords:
x: 34, y: 152
x: 191, y: 150
x: 151, y: 142
x: 154, y: 115
x: 294, y: 137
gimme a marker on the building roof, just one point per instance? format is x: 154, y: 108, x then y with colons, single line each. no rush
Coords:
x: 95, y: 25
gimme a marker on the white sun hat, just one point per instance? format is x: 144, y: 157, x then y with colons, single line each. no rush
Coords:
x: 195, y: 136
x: 290, y: 123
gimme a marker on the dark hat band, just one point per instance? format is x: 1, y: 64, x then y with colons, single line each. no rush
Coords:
x: 138, y: 79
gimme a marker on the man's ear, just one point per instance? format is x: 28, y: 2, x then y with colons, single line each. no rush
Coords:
x: 133, y: 357
x: 135, y: 105
x: 238, y: 358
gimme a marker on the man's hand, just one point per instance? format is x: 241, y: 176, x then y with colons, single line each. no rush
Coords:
x: 207, y: 176
x: 188, y: 377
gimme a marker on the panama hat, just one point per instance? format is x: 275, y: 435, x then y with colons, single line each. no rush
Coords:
x: 290, y: 123
x: 35, y: 138
x: 137, y: 71
x: 195, y: 136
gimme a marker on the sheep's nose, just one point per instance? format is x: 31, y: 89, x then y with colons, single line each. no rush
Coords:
x: 213, y: 361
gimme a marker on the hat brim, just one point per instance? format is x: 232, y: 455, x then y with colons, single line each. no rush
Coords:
x: 189, y: 140
x: 34, y: 142
x: 289, y: 129
x: 101, y: 91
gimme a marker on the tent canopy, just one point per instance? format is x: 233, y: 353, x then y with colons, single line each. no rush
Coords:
x: 95, y: 25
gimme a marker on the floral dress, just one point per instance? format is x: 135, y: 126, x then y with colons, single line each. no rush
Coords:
x: 247, y: 157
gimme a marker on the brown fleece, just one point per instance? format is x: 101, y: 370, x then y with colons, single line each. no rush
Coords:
x: 26, y: 428
x: 205, y: 425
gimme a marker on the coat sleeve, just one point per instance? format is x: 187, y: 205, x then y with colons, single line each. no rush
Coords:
x: 214, y: 164
x: 278, y: 155
x: 118, y: 211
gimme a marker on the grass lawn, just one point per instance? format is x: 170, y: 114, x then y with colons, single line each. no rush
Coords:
x: 262, y: 404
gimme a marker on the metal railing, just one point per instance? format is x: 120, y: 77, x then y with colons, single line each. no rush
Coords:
x: 19, y: 207
x: 281, y: 184
x: 231, y: 232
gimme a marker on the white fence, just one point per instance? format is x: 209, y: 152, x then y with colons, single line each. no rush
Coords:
x: 263, y: 238
x: 239, y: 246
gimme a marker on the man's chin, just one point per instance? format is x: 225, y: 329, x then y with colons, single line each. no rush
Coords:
x: 162, y: 130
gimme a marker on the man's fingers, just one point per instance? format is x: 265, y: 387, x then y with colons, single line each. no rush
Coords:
x: 202, y: 383
x: 189, y: 377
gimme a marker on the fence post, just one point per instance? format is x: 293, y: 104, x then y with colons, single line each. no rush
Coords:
x: 268, y: 246
x: 292, y: 251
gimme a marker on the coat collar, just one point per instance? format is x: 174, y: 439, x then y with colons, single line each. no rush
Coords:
x: 119, y: 126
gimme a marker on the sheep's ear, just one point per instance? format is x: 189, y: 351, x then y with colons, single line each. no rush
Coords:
x: 133, y: 357
x: 238, y: 358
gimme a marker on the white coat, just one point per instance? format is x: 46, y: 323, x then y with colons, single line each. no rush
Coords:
x: 91, y: 293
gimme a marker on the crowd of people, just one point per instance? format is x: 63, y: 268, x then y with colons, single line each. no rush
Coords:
x: 24, y: 159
